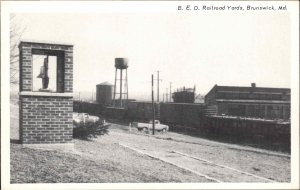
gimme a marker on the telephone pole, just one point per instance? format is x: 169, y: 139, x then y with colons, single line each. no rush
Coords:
x: 153, y: 108
x: 157, y: 86
x: 166, y: 94
x: 170, y: 91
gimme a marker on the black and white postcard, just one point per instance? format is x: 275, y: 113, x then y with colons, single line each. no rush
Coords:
x: 150, y: 95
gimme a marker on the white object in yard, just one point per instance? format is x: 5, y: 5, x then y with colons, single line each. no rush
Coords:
x: 129, y: 126
x: 149, y: 126
x: 84, y: 117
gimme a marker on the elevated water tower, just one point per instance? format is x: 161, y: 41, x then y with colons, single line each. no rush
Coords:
x: 120, y: 97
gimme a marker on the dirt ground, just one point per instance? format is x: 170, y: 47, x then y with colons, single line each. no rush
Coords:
x: 148, y: 159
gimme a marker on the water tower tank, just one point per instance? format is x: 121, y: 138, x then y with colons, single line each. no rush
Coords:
x: 121, y: 63
x: 104, y: 93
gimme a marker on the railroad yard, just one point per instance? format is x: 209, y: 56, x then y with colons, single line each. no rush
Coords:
x: 128, y: 155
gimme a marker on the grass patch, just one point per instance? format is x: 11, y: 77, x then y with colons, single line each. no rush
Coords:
x: 41, y: 166
x: 114, y: 166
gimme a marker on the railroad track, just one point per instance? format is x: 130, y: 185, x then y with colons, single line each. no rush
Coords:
x: 211, y: 171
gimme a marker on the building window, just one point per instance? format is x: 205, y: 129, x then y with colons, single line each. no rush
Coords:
x: 276, y: 97
x: 243, y: 96
x: 236, y: 109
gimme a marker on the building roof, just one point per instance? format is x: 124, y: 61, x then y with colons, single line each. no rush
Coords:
x: 61, y: 43
x: 104, y: 83
x: 254, y: 101
x: 246, y: 89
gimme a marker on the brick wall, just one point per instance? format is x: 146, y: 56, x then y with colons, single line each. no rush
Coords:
x: 46, y: 119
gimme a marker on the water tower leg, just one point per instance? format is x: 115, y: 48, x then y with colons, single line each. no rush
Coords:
x: 114, y: 100
x: 121, y: 79
x: 126, y: 87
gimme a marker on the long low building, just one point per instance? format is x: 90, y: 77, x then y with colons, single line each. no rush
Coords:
x: 256, y: 102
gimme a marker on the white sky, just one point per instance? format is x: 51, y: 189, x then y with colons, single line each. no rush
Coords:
x: 201, y: 49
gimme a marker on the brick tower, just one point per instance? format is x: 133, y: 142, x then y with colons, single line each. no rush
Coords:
x: 46, y: 98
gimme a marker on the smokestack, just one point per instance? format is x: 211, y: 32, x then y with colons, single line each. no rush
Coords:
x: 253, y: 85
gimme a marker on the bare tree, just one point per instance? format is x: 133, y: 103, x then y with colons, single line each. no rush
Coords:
x: 15, y: 36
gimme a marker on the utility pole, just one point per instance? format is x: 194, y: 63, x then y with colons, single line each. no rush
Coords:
x: 163, y: 97
x: 153, y: 109
x: 166, y: 94
x: 157, y: 86
x: 170, y: 91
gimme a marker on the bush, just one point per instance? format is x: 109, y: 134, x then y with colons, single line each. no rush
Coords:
x: 89, y: 130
